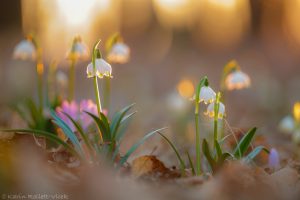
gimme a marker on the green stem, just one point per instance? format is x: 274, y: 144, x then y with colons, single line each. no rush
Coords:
x: 98, y: 100
x: 198, y: 155
x: 215, y: 129
x: 107, y: 93
x: 72, y: 80
x: 216, y: 116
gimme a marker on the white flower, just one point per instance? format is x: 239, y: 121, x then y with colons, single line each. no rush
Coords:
x: 61, y: 79
x: 25, y: 50
x: 119, y: 53
x: 79, y: 50
x: 211, y: 112
x: 207, y: 95
x: 296, y: 137
x: 237, y: 80
x: 287, y: 124
x: 102, y: 69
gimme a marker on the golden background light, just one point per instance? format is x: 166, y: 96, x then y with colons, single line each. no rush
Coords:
x: 185, y: 88
x: 292, y: 17
x: 174, y: 13
x: 222, y: 23
x: 56, y: 22
x: 297, y: 111
x: 80, y: 11
x: 136, y: 16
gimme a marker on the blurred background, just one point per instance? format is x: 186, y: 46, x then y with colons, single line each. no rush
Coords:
x: 173, y: 44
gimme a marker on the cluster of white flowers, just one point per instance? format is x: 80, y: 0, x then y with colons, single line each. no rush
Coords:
x: 208, y: 96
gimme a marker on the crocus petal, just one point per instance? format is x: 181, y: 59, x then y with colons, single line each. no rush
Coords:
x: 274, y: 159
x: 70, y: 109
x: 87, y: 106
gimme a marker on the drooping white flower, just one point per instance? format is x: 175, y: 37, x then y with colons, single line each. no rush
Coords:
x: 211, y: 110
x: 287, y: 125
x: 237, y: 80
x: 119, y: 53
x: 207, y: 95
x: 25, y: 50
x: 79, y: 50
x: 102, y: 68
x: 61, y: 79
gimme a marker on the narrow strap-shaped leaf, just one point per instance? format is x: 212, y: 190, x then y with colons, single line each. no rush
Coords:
x: 255, y: 152
x: 21, y: 113
x: 223, y: 157
x: 105, y: 121
x: 120, y: 134
x: 191, y: 163
x: 127, y: 117
x: 123, y: 127
x: 208, y: 156
x: 68, y: 131
x: 218, y: 149
x: 81, y: 132
x: 136, y: 145
x: 102, y: 127
x: 244, y: 144
x: 118, y: 118
x: 45, y: 134
x: 181, y: 163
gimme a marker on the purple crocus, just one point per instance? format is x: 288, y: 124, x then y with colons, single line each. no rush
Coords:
x: 274, y: 159
x: 87, y: 106
x: 70, y: 108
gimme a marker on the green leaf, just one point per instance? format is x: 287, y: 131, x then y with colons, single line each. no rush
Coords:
x: 255, y: 152
x: 191, y: 163
x: 118, y: 117
x: 223, y: 157
x: 68, y: 131
x: 203, y: 82
x: 208, y: 156
x: 48, y: 135
x: 81, y: 132
x: 21, y: 113
x: 111, y: 41
x: 244, y: 144
x: 123, y: 126
x: 105, y: 121
x: 102, y: 127
x: 218, y: 149
x: 136, y: 145
x: 120, y: 134
x: 181, y: 163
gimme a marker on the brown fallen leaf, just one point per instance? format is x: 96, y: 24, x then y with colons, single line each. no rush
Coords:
x: 150, y: 167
